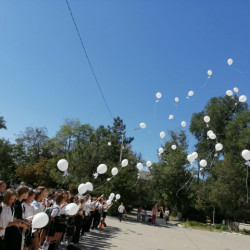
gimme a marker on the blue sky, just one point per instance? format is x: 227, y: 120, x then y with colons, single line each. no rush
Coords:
x: 137, y: 48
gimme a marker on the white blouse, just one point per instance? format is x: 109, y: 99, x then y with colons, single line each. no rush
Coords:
x: 28, y: 210
x: 6, y: 217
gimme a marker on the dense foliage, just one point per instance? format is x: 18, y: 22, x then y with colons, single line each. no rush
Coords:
x: 172, y: 181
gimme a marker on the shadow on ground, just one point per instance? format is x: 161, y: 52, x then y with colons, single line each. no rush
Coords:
x: 98, y: 239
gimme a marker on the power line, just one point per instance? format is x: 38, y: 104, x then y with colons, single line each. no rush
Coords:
x: 91, y: 67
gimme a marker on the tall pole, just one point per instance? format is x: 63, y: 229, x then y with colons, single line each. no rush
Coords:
x: 247, y: 183
x: 122, y: 146
x: 213, y: 215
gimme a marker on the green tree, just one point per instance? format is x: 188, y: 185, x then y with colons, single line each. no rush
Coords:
x: 225, y: 176
x: 2, y: 123
x: 6, y: 161
x: 172, y: 175
x: 32, y: 142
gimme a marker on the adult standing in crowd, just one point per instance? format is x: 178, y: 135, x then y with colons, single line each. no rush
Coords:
x: 139, y: 211
x: 167, y: 212
x: 161, y: 212
x: 154, y: 213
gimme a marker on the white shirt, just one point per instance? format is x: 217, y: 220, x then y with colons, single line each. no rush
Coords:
x: 55, y: 212
x: 92, y: 206
x: 28, y: 210
x: 38, y: 206
x: 63, y: 209
x: 86, y: 208
x: 121, y: 209
x: 105, y: 208
x: 6, y: 217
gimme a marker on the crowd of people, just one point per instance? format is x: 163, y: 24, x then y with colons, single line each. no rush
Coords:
x: 17, y: 208
x: 163, y: 214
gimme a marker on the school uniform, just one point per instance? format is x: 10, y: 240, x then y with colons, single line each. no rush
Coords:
x: 53, y: 224
x: 28, y: 212
x: 7, y: 216
x: 14, y: 232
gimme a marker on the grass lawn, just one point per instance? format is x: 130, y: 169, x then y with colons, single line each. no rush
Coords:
x: 216, y: 227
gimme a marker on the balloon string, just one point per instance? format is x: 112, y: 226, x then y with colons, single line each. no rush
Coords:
x: 103, y: 184
x: 123, y: 133
x: 237, y: 70
x: 154, y: 111
x: 59, y: 186
x: 205, y: 83
x: 189, y: 186
x: 235, y: 105
x: 134, y: 184
x: 184, y: 185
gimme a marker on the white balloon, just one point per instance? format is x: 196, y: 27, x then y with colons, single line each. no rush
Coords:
x: 158, y: 95
x: 190, y: 158
x: 209, y: 72
x: 139, y: 166
x: 149, y: 164
x: 209, y: 132
x: 89, y: 186
x: 229, y: 92
x: 40, y: 220
x: 71, y: 209
x: 62, y: 165
x: 112, y: 195
x: 82, y: 188
x: 176, y: 99
x: 218, y: 147
x: 246, y: 154
x: 242, y: 98
x: 230, y: 61
x: 118, y: 197
x: 109, y: 143
x: 173, y: 147
x: 171, y: 117
x: 206, y: 119
x: 124, y: 163
x: 114, y: 171
x: 102, y: 168
x: 160, y: 150
x: 162, y: 134
x: 190, y: 93
x: 195, y: 155
x: 109, y: 202
x: 183, y: 124
x: 212, y: 136
x: 236, y: 90
x: 143, y: 125
x: 203, y: 163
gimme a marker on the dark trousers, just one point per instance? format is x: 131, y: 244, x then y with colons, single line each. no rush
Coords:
x: 97, y: 218
x: 91, y: 217
x: 84, y: 223
x: 13, y: 233
x: 88, y: 223
x: 2, y: 244
x: 120, y: 216
x: 76, y: 237
x: 78, y: 225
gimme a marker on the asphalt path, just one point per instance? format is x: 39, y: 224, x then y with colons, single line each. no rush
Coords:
x: 132, y: 235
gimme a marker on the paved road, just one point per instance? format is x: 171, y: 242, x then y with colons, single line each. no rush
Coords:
x: 132, y: 235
